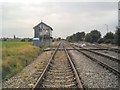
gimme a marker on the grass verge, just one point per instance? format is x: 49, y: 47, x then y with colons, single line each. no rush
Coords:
x: 17, y: 55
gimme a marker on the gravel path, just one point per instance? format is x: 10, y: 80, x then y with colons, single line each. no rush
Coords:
x: 28, y: 76
x: 92, y: 74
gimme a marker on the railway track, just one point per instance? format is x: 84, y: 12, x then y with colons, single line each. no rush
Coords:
x: 100, y: 53
x: 116, y: 50
x: 60, y: 72
x: 104, y: 61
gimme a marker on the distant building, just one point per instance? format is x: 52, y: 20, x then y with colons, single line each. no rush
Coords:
x: 119, y: 14
x: 44, y: 34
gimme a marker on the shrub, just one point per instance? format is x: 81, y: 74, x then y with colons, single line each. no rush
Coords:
x: 101, y: 40
x: 108, y: 41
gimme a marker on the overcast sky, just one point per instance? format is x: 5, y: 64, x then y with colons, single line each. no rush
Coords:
x: 65, y: 18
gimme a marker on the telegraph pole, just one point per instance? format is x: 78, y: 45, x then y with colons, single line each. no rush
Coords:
x: 107, y: 27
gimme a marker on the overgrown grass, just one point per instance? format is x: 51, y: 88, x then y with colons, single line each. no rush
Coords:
x: 17, y: 55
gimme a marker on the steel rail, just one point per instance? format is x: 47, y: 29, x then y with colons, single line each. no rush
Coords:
x: 71, y: 49
x: 45, y: 70
x: 112, y: 58
x: 117, y: 50
x: 99, y: 62
x: 79, y: 83
x: 110, y: 49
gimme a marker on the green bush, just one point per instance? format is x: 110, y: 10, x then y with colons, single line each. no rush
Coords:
x: 101, y: 40
x: 88, y: 38
x: 108, y: 41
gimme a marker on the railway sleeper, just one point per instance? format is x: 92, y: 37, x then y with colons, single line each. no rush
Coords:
x: 62, y: 82
x: 57, y: 81
x: 73, y: 85
x: 62, y: 70
x: 60, y: 73
x: 59, y: 77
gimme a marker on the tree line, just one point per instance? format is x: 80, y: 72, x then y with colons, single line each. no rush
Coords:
x: 94, y: 36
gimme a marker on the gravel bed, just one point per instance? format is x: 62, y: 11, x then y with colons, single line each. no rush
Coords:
x: 105, y: 60
x: 27, y: 77
x: 92, y: 74
x: 108, y: 53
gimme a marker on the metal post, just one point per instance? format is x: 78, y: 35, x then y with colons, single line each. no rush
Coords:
x: 107, y: 32
x: 49, y: 39
x: 107, y: 27
x: 119, y: 14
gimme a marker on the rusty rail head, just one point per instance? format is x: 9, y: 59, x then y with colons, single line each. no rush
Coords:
x: 79, y: 83
x: 44, y: 71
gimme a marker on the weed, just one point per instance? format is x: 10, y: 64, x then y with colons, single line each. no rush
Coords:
x: 40, y: 65
x: 16, y: 55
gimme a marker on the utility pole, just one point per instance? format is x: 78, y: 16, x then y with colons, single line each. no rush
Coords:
x: 49, y: 39
x: 119, y: 14
x: 107, y: 32
x: 107, y: 27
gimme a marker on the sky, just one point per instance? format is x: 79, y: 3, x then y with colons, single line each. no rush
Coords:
x: 66, y: 18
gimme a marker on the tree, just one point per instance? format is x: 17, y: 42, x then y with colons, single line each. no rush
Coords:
x: 30, y: 40
x: 59, y: 38
x: 69, y: 38
x: 79, y: 36
x: 14, y: 37
x: 88, y: 37
x: 74, y: 38
x: 95, y: 35
x: 108, y: 41
x: 82, y: 35
x: 109, y: 37
x: 100, y: 40
x: 23, y: 40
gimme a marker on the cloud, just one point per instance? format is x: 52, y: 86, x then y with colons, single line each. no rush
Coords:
x: 65, y: 17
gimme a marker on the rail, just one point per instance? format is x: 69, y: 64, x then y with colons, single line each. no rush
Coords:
x: 99, y: 62
x: 76, y: 75
x: 45, y: 70
x: 80, y: 86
